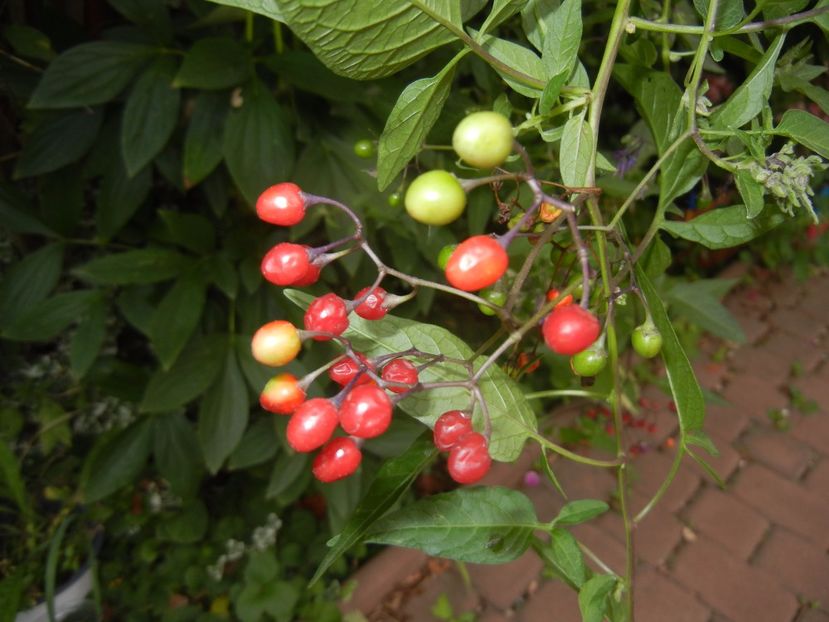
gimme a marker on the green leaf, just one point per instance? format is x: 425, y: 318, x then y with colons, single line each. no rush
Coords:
x: 120, y: 196
x: 149, y: 265
x: 307, y: 73
x: 89, y: 74
x: 194, y: 232
x: 565, y: 557
x: 414, y: 114
x: 152, y: 15
x: 57, y: 141
x: 176, y: 453
x: 116, y: 460
x: 277, y: 598
x: 393, y: 479
x: 12, y: 588
x: 690, y: 403
x: 561, y: 44
x: 223, y: 414
x: 579, y: 511
x: 150, y: 115
x: 536, y: 20
x: 341, y: 499
x: 551, y: 92
x: 729, y: 13
x: 724, y: 227
x: 203, y: 141
x: 681, y: 171
x: 258, y: 146
x: 88, y: 339
x: 810, y: 131
x: 751, y: 192
x: 521, y: 58
x: 214, y: 63
x: 699, y: 302
x: 489, y: 525
x: 258, y: 445
x: 11, y: 481
x: 750, y: 97
x: 189, y: 377
x: 701, y: 439
x: 16, y: 213
x: 291, y: 470
x: 177, y: 316
x: 575, y: 152
x: 268, y: 8
x: 501, y: 11
x: 657, y: 97
x: 186, y: 526
x: 593, y: 597
x: 29, y: 281
x: 30, y: 43
x: 48, y: 318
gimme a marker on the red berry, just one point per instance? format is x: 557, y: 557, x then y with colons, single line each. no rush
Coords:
x: 477, y: 263
x: 327, y: 314
x: 450, y: 428
x: 469, y: 459
x: 286, y: 263
x: 343, y: 372
x: 366, y: 411
x: 282, y: 394
x: 400, y: 370
x: 372, y: 307
x: 310, y: 277
x: 554, y: 293
x: 312, y: 424
x: 570, y: 329
x: 276, y: 343
x: 338, y: 459
x: 282, y: 204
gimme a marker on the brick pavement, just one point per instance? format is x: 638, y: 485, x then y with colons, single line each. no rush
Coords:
x: 757, y: 551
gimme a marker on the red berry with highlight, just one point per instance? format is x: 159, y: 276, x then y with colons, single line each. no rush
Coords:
x: 286, y: 263
x: 469, y: 459
x: 372, y: 307
x: 276, y: 343
x: 366, y: 411
x: 282, y: 204
x: 344, y: 371
x: 338, y: 459
x: 311, y: 276
x: 400, y: 370
x: 312, y: 424
x: 450, y: 428
x: 478, y: 262
x: 327, y: 314
x: 282, y: 394
x: 571, y: 329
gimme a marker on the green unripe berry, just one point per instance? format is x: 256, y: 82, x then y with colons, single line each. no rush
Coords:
x: 435, y: 198
x: 444, y: 255
x: 589, y: 362
x: 394, y: 199
x: 495, y: 296
x: 646, y: 340
x: 483, y: 139
x: 364, y: 148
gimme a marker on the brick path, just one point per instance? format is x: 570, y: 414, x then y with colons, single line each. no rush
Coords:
x: 757, y: 551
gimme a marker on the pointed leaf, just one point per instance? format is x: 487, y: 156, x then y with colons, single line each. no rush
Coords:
x: 11, y: 481
x: 203, y: 141
x: 176, y: 453
x: 149, y: 265
x: 268, y: 8
x: 810, y: 131
x: 501, y: 11
x: 561, y: 45
x: 48, y: 318
x: 564, y: 555
x: 724, y: 227
x: 575, y: 152
x: 177, y: 316
x: 259, y: 444
x: 700, y: 302
x: 116, y: 461
x: 88, y: 339
x: 214, y: 63
x: 657, y: 97
x: 521, y: 58
x: 579, y: 511
x: 29, y: 281
x: 152, y: 15
x: 58, y: 141
x: 751, y: 192
x: 593, y: 597
x: 120, y: 197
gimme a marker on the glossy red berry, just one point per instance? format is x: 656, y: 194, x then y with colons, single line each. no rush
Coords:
x: 554, y: 293
x: 450, y: 428
x: 327, y: 314
x: 400, y: 370
x: 276, y: 343
x: 344, y: 371
x: 366, y: 411
x: 286, y: 263
x: 469, y: 459
x: 338, y: 459
x: 570, y: 329
x: 478, y: 262
x: 310, y: 277
x: 312, y: 424
x: 282, y: 204
x: 282, y: 394
x: 372, y: 307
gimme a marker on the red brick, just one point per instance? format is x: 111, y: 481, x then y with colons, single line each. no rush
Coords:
x: 814, y: 387
x: 380, y: 575
x: 724, y: 464
x: 710, y: 374
x: 797, y: 564
x: 813, y: 615
x: 760, y: 362
x: 726, y: 521
x: 784, y: 502
x: 658, y: 599
x: 814, y: 430
x: 727, y: 422
x: 777, y: 450
x: 754, y: 327
x: 554, y: 601
x: 650, y: 470
x: 797, y: 322
x: 792, y: 349
x: 511, y: 473
x: 753, y: 396
x: 491, y: 615
x: 581, y: 481
x: 426, y: 594
x: 817, y: 480
x: 740, y: 592
x: 503, y: 584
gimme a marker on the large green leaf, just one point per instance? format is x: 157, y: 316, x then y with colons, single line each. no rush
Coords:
x: 149, y: 265
x: 690, y: 403
x: 116, y: 460
x: 215, y: 63
x: 491, y: 525
x: 46, y: 319
x: 810, y: 131
x: 268, y: 8
x: 562, y: 552
x: 681, y: 171
x: 120, y: 196
x: 501, y: 11
x: 150, y: 114
x: 11, y: 481
x: 177, y: 316
x: 57, y: 141
x: 656, y: 95
x: 88, y: 338
x: 536, y: 20
x: 561, y: 44
x: 724, y: 227
x: 152, y: 15
x: 699, y: 302
x: 729, y: 13
x: 593, y: 597
x: 176, y: 453
x: 203, y: 141
x: 392, y: 481
x: 751, y: 192
x: 415, y: 112
x: 17, y: 213
x: 575, y: 152
x: 750, y: 97
x: 259, y: 444
x: 29, y: 281
x: 258, y: 145
x: 521, y: 58
x: 89, y: 74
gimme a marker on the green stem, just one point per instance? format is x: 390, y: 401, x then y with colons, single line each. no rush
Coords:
x: 682, y: 29
x: 566, y: 453
x: 248, y: 26
x: 565, y: 393
x: 278, y: 39
x: 663, y: 488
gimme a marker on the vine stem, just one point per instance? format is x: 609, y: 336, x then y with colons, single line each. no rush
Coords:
x: 682, y: 29
x: 663, y: 488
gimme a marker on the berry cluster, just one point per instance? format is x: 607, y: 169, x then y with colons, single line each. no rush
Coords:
x: 469, y: 457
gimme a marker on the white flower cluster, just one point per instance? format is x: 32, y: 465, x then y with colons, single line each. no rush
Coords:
x: 262, y: 538
x: 108, y: 413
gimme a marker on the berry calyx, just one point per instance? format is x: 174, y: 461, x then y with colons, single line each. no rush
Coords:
x: 478, y: 262
x: 646, y: 340
x: 276, y: 343
x: 286, y: 263
x: 495, y: 296
x: 372, y: 307
x: 450, y: 428
x: 343, y: 372
x: 400, y: 370
x: 483, y: 139
x: 589, y: 362
x: 282, y: 394
x: 366, y: 411
x: 571, y: 329
x: 338, y: 459
x: 364, y: 148
x: 469, y: 459
x: 282, y: 204
x: 328, y: 314
x: 554, y: 293
x: 312, y: 424
x: 435, y: 198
